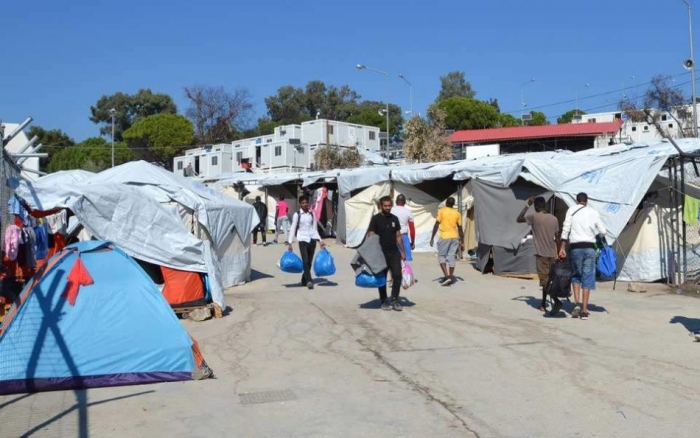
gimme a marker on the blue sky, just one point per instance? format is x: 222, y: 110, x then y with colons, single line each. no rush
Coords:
x: 60, y: 57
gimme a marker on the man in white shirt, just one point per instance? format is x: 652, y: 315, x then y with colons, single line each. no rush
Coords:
x: 581, y: 227
x: 305, y: 229
x: 407, y: 225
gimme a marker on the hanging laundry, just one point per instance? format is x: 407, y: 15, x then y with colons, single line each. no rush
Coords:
x: 691, y: 209
x: 57, y: 222
x: 42, y: 242
x: 16, y: 208
x: 13, y: 239
x: 29, y: 238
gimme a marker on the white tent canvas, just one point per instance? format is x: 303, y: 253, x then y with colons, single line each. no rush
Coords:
x: 359, y: 210
x: 424, y: 208
x: 643, y: 248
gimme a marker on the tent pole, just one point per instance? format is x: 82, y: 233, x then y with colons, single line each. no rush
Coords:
x: 682, y: 224
x: 266, y: 201
x: 461, y: 214
x: 624, y: 256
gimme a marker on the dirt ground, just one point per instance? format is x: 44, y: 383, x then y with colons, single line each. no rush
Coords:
x: 472, y: 359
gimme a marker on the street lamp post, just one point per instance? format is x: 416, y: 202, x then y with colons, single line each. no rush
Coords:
x: 410, y: 93
x: 386, y: 75
x: 576, y: 98
x: 113, y: 113
x: 692, y: 66
x: 522, y: 97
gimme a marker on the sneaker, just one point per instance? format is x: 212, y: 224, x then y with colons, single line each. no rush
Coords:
x: 396, y: 305
x: 576, y: 312
x: 584, y: 315
x: 386, y: 305
x: 556, y: 308
x: 446, y: 281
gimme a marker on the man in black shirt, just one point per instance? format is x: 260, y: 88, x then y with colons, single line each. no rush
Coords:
x: 261, y: 210
x: 388, y: 228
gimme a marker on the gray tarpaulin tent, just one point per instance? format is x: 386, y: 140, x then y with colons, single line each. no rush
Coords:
x: 154, y: 216
x: 502, y: 241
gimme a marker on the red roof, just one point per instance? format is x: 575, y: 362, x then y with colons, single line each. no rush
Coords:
x: 525, y: 132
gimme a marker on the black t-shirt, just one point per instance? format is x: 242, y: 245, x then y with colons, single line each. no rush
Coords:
x: 386, y: 228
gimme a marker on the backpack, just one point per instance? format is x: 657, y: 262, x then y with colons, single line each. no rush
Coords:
x: 607, y: 263
x: 559, y: 284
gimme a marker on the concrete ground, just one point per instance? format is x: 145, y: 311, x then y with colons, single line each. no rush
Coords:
x: 473, y: 359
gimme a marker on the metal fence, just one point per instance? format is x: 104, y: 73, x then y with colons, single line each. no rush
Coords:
x: 8, y: 169
x: 687, y: 245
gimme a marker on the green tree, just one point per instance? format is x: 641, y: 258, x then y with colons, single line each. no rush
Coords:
x: 218, y: 115
x: 334, y: 157
x: 467, y: 113
x: 53, y: 140
x: 287, y: 106
x: 159, y: 138
x: 425, y: 140
x: 507, y: 121
x: 94, y: 154
x: 568, y: 116
x: 368, y: 113
x: 296, y: 105
x: 129, y: 109
x: 538, y: 118
x: 453, y: 84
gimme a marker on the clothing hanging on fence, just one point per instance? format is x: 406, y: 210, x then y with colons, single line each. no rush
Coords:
x: 42, y: 241
x: 691, y: 208
x: 13, y: 239
x: 29, y: 244
x: 57, y: 223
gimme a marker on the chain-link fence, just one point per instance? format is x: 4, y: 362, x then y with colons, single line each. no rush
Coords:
x: 8, y: 169
x: 688, y: 241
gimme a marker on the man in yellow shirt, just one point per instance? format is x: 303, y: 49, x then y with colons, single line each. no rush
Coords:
x: 449, y: 222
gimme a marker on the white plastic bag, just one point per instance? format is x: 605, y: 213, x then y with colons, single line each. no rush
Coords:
x: 407, y: 277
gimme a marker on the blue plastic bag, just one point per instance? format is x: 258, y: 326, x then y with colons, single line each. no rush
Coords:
x: 607, y: 263
x: 324, y: 266
x: 365, y: 279
x: 291, y: 263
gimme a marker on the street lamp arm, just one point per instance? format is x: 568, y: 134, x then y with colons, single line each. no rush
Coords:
x: 375, y: 70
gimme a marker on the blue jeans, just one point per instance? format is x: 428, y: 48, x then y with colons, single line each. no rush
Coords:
x: 583, y: 266
x: 407, y: 247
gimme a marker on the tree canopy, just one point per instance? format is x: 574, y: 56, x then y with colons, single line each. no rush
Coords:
x: 425, y: 140
x: 453, y: 84
x: 568, y: 116
x: 334, y: 157
x: 53, y: 141
x: 468, y: 113
x: 129, y: 109
x: 93, y: 154
x: 292, y: 105
x: 664, y: 99
x: 218, y: 114
x: 538, y: 118
x: 159, y: 138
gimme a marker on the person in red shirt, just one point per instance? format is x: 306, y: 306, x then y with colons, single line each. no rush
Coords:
x: 282, y: 219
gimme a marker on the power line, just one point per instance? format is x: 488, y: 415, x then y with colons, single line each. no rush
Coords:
x: 592, y: 96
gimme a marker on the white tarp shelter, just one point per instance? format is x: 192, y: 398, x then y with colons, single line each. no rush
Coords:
x: 144, y: 196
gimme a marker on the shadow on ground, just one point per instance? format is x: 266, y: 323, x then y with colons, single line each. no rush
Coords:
x: 257, y: 275
x: 690, y: 324
x: 376, y: 304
